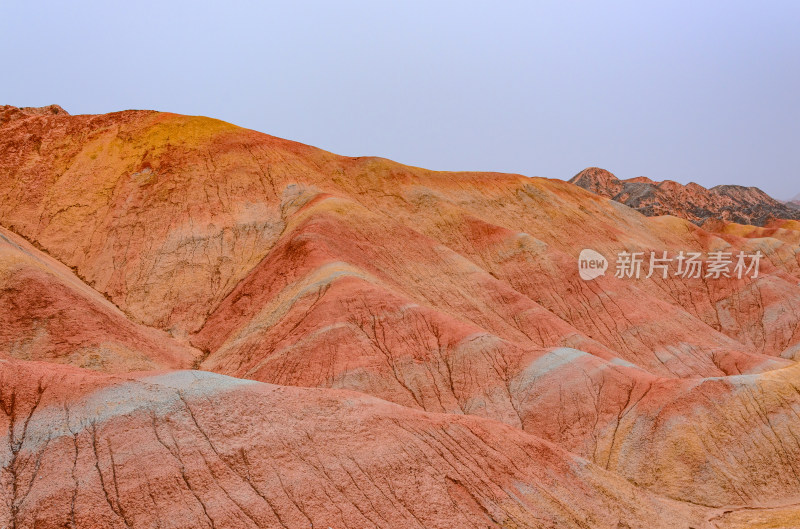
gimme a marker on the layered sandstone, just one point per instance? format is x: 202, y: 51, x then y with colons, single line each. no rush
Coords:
x: 461, y: 369
x: 731, y: 203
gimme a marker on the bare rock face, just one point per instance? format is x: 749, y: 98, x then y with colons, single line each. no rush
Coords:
x: 730, y: 203
x: 458, y: 372
x: 600, y: 182
x: 50, y: 314
x: 195, y: 449
x: 9, y: 113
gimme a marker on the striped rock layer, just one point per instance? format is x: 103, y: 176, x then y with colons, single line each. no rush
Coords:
x: 206, y: 326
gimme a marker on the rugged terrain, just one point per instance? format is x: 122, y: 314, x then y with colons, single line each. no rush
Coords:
x: 730, y: 203
x: 204, y: 325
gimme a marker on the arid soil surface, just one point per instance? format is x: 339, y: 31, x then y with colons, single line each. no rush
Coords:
x: 207, y: 326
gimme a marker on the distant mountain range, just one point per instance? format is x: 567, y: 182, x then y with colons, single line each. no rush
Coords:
x: 731, y: 203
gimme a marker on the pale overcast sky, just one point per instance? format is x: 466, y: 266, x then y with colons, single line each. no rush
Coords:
x: 688, y: 91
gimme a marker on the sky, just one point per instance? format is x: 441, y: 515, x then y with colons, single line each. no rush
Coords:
x: 688, y: 91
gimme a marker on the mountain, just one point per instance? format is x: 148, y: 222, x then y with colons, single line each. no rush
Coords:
x: 794, y: 202
x: 731, y: 203
x: 207, y: 326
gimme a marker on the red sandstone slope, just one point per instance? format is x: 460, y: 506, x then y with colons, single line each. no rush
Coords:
x: 443, y: 292
x: 173, y: 212
x: 747, y: 205
x: 49, y: 314
x: 202, y: 450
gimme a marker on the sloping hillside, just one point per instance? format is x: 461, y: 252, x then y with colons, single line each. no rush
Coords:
x: 141, y: 241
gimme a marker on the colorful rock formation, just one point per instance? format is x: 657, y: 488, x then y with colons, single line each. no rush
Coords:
x: 730, y: 203
x: 208, y: 326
